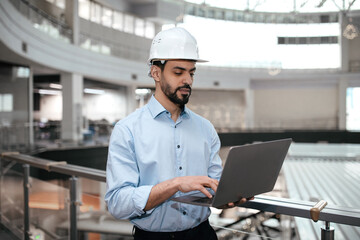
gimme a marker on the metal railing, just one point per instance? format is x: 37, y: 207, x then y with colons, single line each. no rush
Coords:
x: 290, y: 207
x: 43, y: 21
x: 15, y: 137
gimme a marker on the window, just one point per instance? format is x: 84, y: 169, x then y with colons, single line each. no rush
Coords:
x: 95, y: 12
x: 6, y: 102
x: 118, y: 21
x: 139, y: 27
x: 149, y: 30
x: 353, y: 109
x: 84, y: 9
x: 60, y: 3
x: 106, y: 17
x: 129, y: 24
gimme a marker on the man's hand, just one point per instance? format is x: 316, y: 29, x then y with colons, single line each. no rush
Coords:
x: 241, y: 201
x: 200, y: 183
x: 164, y: 190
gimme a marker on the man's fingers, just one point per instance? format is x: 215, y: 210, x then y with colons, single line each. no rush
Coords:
x: 243, y: 200
x: 213, y: 185
x: 206, y: 192
x: 231, y: 205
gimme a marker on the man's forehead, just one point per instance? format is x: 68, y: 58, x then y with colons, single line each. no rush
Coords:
x: 185, y: 64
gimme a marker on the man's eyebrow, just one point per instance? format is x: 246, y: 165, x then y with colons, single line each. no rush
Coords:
x: 184, y: 69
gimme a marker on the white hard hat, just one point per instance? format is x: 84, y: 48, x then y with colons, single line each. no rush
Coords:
x: 174, y: 43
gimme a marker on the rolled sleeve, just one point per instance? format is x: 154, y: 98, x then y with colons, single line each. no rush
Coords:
x: 140, y: 198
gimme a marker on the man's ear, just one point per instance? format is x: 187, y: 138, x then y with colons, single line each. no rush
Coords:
x: 155, y: 73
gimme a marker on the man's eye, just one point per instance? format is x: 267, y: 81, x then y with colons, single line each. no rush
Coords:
x: 192, y: 74
x: 178, y: 73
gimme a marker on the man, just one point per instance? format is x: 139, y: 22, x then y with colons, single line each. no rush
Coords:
x: 164, y: 150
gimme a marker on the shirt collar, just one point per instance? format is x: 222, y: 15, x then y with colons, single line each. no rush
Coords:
x: 156, y: 108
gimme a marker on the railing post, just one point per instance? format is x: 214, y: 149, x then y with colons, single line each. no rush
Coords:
x: 327, y: 232
x: 26, y: 202
x: 73, y: 208
x: 1, y: 182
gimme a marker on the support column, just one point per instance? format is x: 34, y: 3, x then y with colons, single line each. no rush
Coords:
x: 343, y: 85
x: 249, y: 110
x: 72, y: 18
x: 72, y: 120
x: 31, y: 110
x: 344, y: 43
x: 131, y: 99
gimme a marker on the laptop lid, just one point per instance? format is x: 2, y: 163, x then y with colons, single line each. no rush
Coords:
x: 249, y: 170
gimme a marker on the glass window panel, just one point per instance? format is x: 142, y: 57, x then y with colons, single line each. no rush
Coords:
x: 7, y: 102
x: 95, y: 12
x: 150, y: 30
x: 60, y: 3
x: 129, y: 23
x: 23, y: 72
x: 84, y: 9
x: 118, y: 21
x: 269, y: 41
x: 201, y: 12
x: 211, y: 13
x: 291, y: 40
x: 107, y: 17
x: 281, y: 40
x: 302, y: 40
x: 139, y: 27
x: 353, y: 109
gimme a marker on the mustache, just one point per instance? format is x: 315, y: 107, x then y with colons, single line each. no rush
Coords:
x: 184, y: 86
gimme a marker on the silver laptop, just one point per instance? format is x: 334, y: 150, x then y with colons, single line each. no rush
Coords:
x: 249, y: 170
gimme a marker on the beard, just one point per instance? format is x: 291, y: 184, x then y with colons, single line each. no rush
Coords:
x: 172, y: 95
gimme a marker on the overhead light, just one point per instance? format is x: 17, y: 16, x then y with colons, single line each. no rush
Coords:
x: 47, y: 92
x: 55, y: 85
x: 94, y: 91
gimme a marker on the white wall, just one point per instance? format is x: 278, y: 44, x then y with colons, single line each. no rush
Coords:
x: 225, y: 109
x: 112, y: 105
x: 291, y: 108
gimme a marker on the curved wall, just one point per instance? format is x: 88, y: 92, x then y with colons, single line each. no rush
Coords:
x: 21, y: 43
x: 17, y: 31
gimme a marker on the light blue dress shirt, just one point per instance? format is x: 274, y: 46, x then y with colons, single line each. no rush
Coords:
x: 147, y: 148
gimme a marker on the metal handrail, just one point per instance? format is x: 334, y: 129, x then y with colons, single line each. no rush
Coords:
x: 300, y: 208
x: 58, y: 167
x: 291, y: 207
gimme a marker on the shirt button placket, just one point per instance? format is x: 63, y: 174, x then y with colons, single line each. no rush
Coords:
x: 178, y: 151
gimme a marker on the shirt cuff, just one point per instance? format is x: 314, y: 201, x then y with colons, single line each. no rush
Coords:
x: 140, y: 198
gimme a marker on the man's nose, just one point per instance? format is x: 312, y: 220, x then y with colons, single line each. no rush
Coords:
x: 188, y: 79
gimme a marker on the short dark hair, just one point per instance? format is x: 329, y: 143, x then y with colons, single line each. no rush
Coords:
x: 159, y: 64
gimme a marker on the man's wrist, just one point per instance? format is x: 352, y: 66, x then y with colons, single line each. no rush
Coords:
x: 176, y: 183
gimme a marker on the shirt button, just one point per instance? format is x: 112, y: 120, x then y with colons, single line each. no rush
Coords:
x: 180, y: 168
x: 184, y: 212
x: 178, y: 146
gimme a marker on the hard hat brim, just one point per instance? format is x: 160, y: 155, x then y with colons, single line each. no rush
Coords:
x: 188, y: 59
